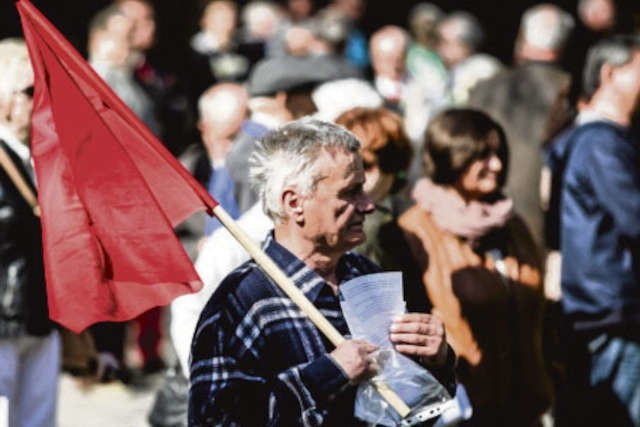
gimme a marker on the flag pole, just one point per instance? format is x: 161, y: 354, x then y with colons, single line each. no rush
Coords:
x: 296, y: 295
x: 261, y: 258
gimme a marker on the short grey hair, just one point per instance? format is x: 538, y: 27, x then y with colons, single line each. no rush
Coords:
x: 287, y: 156
x: 616, y: 51
x: 471, y: 33
x: 546, y: 26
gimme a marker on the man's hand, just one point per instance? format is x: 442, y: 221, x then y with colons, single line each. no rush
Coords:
x: 420, y: 335
x: 354, y: 357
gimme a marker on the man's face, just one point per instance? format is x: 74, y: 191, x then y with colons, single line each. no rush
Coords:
x: 449, y: 46
x: 144, y: 25
x: 333, y: 215
x: 219, y: 18
x: 388, y: 57
x: 626, y: 78
x: 20, y: 113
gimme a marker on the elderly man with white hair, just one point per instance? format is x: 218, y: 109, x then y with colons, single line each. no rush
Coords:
x: 253, y: 347
x: 222, y: 108
x: 544, y: 33
x: 29, y: 347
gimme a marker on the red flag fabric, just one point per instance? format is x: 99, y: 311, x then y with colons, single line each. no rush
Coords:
x: 109, y: 192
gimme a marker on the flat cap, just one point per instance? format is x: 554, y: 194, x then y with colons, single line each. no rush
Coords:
x: 289, y: 73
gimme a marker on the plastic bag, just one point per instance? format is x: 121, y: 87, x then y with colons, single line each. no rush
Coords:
x: 413, y: 383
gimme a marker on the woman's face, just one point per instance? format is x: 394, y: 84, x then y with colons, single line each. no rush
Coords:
x: 481, y: 177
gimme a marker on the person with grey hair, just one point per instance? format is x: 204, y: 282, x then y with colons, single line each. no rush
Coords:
x: 253, y: 348
x: 544, y: 32
x: 459, y: 36
x: 388, y: 47
x: 429, y: 76
x: 596, y: 165
x: 29, y: 345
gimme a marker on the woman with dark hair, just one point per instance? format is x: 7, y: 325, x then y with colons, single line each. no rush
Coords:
x: 480, y: 268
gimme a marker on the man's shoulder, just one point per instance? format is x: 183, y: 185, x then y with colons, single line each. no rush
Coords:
x: 241, y: 289
x: 599, y: 136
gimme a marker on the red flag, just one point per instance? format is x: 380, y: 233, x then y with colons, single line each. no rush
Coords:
x: 109, y: 192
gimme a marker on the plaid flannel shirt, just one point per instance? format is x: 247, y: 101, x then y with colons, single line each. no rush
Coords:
x: 257, y: 360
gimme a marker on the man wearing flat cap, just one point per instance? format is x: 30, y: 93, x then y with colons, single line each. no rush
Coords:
x: 280, y: 91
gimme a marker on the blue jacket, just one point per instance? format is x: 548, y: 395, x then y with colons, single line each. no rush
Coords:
x: 600, y: 228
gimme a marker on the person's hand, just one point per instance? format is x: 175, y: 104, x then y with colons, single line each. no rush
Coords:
x: 354, y: 357
x: 420, y: 335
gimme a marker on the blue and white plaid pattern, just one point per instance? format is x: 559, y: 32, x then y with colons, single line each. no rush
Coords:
x: 257, y: 360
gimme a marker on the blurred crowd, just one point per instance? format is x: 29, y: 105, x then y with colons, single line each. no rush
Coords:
x: 507, y: 194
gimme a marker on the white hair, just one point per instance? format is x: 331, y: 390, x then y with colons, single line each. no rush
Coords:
x: 15, y: 67
x: 546, y: 26
x: 470, y: 32
x: 261, y: 18
x: 335, y: 97
x: 221, y: 102
x: 287, y: 156
x: 469, y: 73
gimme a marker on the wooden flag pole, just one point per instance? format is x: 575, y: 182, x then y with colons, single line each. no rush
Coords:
x: 296, y: 295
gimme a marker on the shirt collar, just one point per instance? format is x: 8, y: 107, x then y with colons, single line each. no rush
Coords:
x: 14, y: 144
x: 305, y: 279
x: 590, y: 116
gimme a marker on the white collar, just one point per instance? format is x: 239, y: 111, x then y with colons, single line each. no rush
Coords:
x: 15, y: 144
x: 589, y: 116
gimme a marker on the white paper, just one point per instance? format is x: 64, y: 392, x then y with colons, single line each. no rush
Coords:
x: 370, y: 303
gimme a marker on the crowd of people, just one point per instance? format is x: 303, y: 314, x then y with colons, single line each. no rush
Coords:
x: 508, y: 195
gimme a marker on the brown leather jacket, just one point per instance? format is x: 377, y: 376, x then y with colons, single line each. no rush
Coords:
x: 493, y: 322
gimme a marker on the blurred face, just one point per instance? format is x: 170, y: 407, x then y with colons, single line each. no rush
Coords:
x: 144, y: 24
x: 219, y: 18
x: 388, y: 56
x: 626, y: 80
x: 377, y: 183
x: 110, y: 48
x: 599, y: 15
x: 354, y: 9
x: 449, y: 47
x: 299, y: 9
x: 334, y: 213
x: 19, y: 114
x: 480, y: 178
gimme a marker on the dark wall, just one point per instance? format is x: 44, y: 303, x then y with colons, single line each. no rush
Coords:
x: 177, y: 20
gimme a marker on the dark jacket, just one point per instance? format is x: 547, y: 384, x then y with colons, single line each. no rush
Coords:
x: 600, y: 239
x: 23, y: 303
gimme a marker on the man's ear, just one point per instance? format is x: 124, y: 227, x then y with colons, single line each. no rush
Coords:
x: 292, y: 203
x: 606, y: 72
